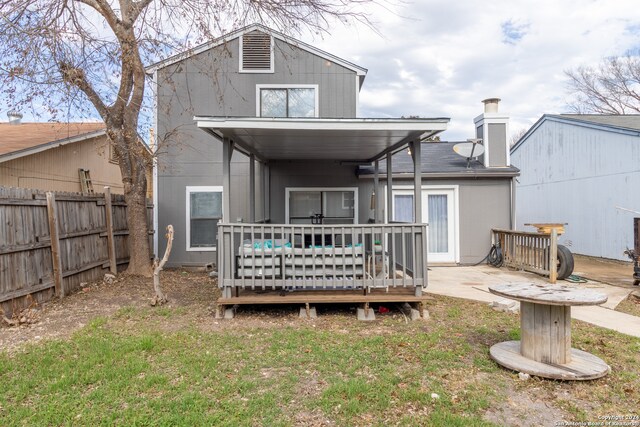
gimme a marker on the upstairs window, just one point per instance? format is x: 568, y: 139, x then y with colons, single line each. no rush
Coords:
x: 291, y: 101
x: 256, y: 53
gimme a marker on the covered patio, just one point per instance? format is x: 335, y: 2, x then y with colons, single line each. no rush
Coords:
x: 314, y: 260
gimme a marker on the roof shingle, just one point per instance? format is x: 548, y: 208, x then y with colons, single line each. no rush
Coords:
x: 437, y: 158
x: 24, y: 136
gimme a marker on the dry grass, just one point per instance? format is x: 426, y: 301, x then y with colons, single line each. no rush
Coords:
x: 132, y: 364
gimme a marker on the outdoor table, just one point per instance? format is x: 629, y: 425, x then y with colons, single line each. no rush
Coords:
x: 545, y: 322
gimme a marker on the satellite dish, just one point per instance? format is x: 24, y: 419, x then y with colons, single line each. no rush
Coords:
x: 472, y: 148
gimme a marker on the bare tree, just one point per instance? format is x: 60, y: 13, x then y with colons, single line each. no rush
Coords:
x: 160, y: 298
x: 88, y: 56
x: 515, y: 137
x: 612, y: 87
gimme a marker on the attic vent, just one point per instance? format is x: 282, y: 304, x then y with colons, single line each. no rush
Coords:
x: 256, y: 52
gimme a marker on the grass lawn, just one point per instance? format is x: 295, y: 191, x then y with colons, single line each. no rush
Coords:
x: 163, y: 366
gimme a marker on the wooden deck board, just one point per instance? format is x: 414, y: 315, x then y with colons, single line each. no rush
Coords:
x: 323, y: 297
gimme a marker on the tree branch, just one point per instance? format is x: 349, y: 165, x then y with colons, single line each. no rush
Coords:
x: 76, y: 77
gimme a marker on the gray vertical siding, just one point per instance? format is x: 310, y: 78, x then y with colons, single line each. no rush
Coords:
x: 580, y: 175
x: 483, y: 203
x: 209, y: 84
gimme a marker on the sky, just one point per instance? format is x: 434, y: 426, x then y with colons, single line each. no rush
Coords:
x: 441, y: 58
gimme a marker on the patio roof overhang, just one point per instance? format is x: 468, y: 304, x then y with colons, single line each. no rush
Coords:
x: 347, y: 140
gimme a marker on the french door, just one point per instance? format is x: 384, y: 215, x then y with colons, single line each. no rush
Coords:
x: 439, y: 210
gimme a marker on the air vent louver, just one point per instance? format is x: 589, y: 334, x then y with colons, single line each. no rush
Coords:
x: 256, y: 51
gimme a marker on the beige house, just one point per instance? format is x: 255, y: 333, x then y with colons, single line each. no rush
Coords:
x: 48, y: 156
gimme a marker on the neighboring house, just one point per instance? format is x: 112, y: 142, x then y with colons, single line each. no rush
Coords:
x: 290, y: 113
x: 47, y: 156
x: 582, y: 170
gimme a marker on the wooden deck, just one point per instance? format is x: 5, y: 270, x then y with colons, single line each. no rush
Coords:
x: 323, y: 297
x: 376, y: 296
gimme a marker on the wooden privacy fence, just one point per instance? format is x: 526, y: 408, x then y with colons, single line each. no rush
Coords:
x: 52, y: 242
x: 534, y: 252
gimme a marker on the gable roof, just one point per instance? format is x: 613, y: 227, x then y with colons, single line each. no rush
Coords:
x: 437, y: 160
x: 18, y: 140
x: 360, y: 71
x: 620, y: 123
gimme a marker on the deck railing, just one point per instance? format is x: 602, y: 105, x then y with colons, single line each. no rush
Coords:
x: 529, y: 251
x: 316, y: 257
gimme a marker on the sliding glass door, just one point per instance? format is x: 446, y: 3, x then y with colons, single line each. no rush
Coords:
x: 321, y: 205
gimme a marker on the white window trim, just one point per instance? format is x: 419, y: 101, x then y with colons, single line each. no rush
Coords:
x: 198, y: 189
x: 240, y: 63
x: 408, y: 189
x: 287, y: 86
x: 288, y: 190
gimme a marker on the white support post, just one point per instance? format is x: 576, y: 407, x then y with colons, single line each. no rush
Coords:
x: 415, y: 147
x: 389, y: 189
x: 377, y: 193
x: 417, y: 181
x: 252, y: 188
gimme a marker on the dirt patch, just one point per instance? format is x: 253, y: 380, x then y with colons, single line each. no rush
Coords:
x: 524, y: 408
x: 194, y: 292
x: 611, y: 272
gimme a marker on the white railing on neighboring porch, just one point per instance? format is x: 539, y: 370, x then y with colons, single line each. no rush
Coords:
x: 316, y: 257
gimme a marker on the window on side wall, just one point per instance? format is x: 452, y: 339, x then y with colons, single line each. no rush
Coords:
x: 204, y: 212
x: 291, y: 101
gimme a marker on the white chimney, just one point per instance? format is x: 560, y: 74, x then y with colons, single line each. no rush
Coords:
x: 14, y: 117
x: 491, y: 105
x: 493, y: 127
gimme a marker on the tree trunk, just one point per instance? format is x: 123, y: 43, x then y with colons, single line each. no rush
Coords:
x: 139, y: 249
x: 133, y: 165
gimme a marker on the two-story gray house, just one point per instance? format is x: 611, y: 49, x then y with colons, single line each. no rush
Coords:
x: 265, y: 169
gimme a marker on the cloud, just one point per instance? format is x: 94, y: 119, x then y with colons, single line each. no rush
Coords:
x: 440, y: 58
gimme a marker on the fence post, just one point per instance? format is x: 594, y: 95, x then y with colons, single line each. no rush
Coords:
x: 553, y: 256
x: 108, y: 210
x: 52, y: 214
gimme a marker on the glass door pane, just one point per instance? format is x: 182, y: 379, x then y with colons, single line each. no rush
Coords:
x: 303, y: 205
x: 403, y: 208
x: 338, y: 205
x: 322, y: 207
x: 438, y: 223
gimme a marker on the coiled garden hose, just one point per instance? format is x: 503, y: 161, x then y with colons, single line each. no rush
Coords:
x: 494, y: 257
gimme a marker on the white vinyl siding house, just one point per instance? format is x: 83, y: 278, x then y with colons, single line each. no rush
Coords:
x: 582, y: 170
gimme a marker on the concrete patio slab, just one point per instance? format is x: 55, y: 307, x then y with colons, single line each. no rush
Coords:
x: 472, y: 283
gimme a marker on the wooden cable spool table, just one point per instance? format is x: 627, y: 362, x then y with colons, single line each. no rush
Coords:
x: 545, y: 322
